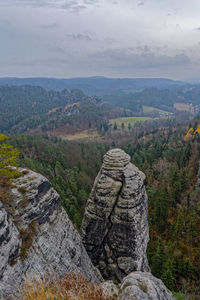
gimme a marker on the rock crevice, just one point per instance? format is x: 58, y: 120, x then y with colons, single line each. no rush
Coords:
x: 115, y: 225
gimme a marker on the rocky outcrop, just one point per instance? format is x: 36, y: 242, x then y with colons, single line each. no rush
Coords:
x: 115, y: 228
x: 37, y: 237
x: 143, y: 286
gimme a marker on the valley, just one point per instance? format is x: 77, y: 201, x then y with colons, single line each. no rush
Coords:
x: 73, y: 114
x: 99, y: 150
x: 65, y: 134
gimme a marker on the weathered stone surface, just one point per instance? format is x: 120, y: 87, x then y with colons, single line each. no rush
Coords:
x: 115, y: 228
x: 143, y: 286
x: 38, y: 237
x: 110, y: 288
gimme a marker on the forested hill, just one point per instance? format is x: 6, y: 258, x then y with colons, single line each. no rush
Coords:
x: 92, y: 85
x: 26, y: 107
x: 165, y: 98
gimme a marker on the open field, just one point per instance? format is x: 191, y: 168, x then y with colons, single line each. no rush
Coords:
x: 128, y: 120
x: 83, y: 135
x: 131, y: 91
x: 150, y: 109
x: 182, y: 106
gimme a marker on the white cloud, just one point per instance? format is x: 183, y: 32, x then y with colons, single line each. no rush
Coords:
x: 93, y: 37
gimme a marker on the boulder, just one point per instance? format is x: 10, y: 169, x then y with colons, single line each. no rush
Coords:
x: 143, y: 286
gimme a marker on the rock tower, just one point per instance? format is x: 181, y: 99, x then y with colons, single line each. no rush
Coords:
x: 115, y: 229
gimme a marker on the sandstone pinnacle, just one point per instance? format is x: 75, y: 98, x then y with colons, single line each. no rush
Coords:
x: 115, y: 228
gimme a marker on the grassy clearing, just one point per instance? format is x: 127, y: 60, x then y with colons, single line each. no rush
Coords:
x: 131, y: 91
x: 83, y: 135
x: 128, y: 120
x: 150, y: 109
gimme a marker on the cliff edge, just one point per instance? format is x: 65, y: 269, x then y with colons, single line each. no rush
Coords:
x: 36, y: 235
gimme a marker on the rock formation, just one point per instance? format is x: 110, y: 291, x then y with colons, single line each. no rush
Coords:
x: 143, y: 286
x: 37, y: 237
x: 115, y: 228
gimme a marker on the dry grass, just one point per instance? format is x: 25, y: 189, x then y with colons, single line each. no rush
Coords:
x: 22, y: 189
x: 27, y: 236
x: 83, y: 135
x: 72, y: 287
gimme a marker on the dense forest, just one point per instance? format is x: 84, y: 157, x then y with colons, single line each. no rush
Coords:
x: 169, y: 158
x: 170, y: 162
x: 26, y: 107
x: 32, y: 109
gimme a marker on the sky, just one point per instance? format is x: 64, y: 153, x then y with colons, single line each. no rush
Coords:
x: 113, y: 38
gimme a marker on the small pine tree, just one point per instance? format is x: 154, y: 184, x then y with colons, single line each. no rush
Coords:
x: 8, y: 157
x: 168, y: 274
x: 157, y: 258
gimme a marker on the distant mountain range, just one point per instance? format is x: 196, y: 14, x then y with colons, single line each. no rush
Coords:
x: 93, y: 85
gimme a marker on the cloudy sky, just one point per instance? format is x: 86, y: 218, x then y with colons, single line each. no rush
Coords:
x: 115, y: 38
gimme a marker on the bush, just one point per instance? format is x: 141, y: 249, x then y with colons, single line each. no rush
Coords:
x: 179, y: 296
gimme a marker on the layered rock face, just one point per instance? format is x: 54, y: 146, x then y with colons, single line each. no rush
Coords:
x: 37, y: 237
x: 115, y: 228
